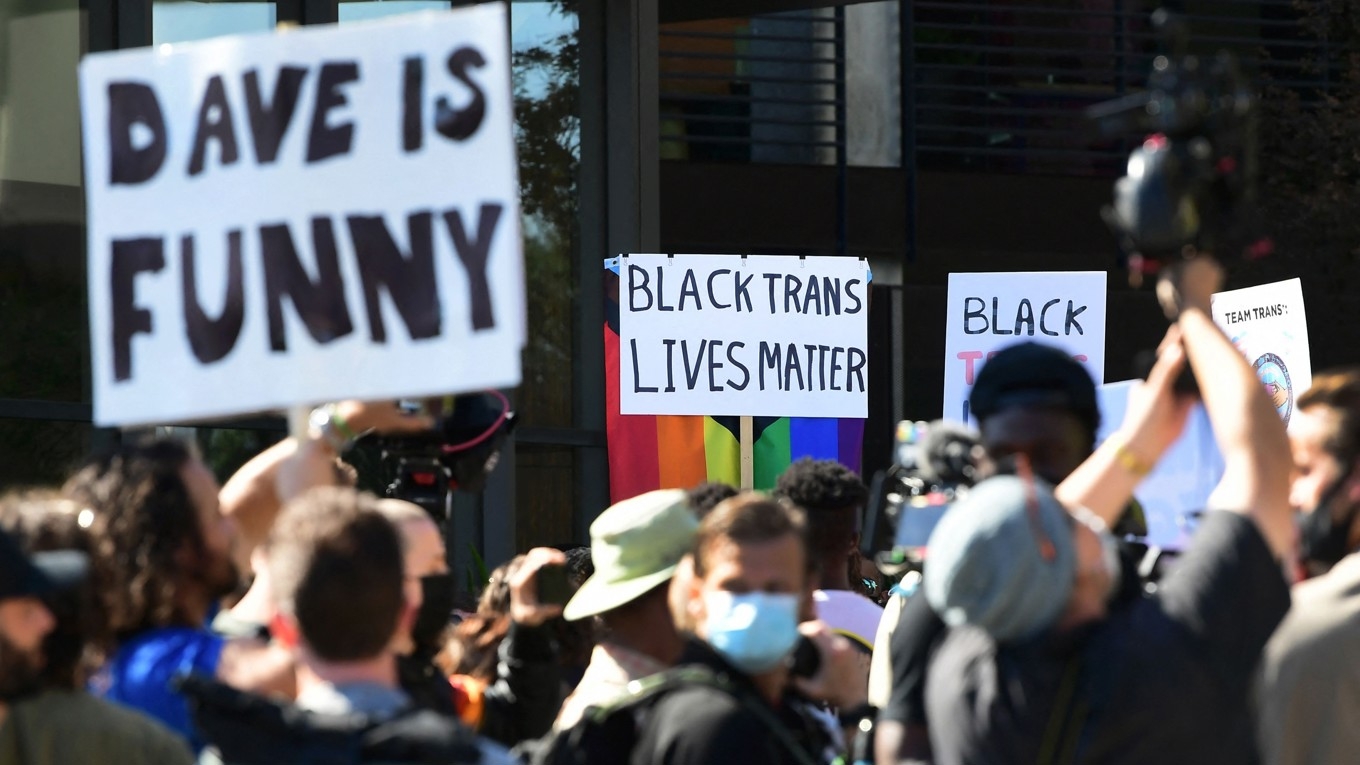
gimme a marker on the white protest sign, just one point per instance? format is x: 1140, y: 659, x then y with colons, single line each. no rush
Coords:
x: 1180, y: 484
x: 288, y: 218
x: 988, y: 312
x: 759, y: 335
x: 1267, y: 323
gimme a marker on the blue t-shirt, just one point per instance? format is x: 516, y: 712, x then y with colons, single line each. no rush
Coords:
x: 139, y: 674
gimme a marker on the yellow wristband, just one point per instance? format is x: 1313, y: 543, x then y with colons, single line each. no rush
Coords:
x: 1130, y: 461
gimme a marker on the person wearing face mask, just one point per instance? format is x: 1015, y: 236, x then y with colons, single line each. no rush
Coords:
x: 1310, y: 680
x: 751, y: 581
x: 520, y: 704
x: 1041, y: 663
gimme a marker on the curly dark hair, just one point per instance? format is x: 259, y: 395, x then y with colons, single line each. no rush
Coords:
x: 708, y: 495
x: 43, y: 521
x: 833, y: 497
x: 580, y: 565
x: 821, y: 485
x: 142, y: 516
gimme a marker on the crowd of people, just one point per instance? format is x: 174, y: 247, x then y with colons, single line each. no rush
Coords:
x: 149, y: 615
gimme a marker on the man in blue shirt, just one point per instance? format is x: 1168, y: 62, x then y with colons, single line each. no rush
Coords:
x: 164, y: 558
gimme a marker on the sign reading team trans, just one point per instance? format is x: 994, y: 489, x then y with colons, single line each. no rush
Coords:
x: 764, y: 336
x: 988, y: 312
x: 282, y: 219
x: 1268, y: 325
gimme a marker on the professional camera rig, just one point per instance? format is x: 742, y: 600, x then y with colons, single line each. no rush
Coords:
x: 1191, y: 182
x: 934, y: 465
x: 458, y: 453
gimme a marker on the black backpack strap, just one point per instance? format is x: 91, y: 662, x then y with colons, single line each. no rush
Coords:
x: 648, y: 689
x: 1068, y: 718
x: 616, y: 723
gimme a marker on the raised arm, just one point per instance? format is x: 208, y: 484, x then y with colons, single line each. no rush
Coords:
x: 1154, y: 419
x: 1249, y: 431
x: 256, y: 492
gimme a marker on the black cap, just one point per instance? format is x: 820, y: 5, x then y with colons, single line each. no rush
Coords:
x: 36, y: 575
x: 1030, y: 374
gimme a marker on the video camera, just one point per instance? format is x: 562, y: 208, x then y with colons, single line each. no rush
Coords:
x: 1190, y: 181
x: 934, y: 465
x: 459, y: 452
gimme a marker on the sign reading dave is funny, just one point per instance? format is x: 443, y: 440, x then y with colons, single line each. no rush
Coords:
x: 759, y: 335
x: 283, y: 219
x: 990, y: 311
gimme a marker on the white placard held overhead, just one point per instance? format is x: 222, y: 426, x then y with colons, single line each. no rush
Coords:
x: 759, y: 335
x: 288, y: 218
x: 990, y: 311
x: 1267, y: 323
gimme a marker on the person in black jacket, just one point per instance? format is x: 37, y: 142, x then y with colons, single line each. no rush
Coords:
x: 1044, y: 661
x: 524, y: 697
x: 752, y: 579
x: 337, y: 570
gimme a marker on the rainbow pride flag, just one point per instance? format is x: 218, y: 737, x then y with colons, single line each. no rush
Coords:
x: 648, y: 452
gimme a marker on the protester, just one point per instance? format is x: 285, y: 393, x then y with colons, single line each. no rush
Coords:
x: 580, y: 565
x: 474, y: 648
x: 46, y: 717
x: 1041, y: 665
x: 1310, y: 680
x: 1033, y: 402
x: 575, y: 640
x: 701, y: 500
x: 253, y: 496
x: 752, y: 577
x: 636, y: 546
x: 430, y: 589
x: 338, y: 573
x: 163, y: 557
x: 517, y: 697
x: 832, y: 498
x: 703, y: 497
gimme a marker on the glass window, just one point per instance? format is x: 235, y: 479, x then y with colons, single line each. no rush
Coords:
x: 175, y: 21
x: 548, y: 139
x: 546, y: 77
x: 37, y: 453
x: 353, y: 10
x: 42, y: 212
x: 545, y: 481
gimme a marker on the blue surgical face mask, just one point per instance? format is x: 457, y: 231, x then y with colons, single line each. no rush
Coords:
x: 754, y: 631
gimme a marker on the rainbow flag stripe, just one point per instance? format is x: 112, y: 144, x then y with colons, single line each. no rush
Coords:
x: 648, y: 452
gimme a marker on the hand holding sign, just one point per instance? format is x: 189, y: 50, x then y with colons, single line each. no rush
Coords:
x: 1156, y: 413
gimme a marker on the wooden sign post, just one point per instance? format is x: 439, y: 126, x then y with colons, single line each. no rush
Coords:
x: 748, y: 458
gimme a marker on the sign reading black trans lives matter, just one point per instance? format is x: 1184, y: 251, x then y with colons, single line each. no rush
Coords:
x: 282, y: 219
x: 761, y: 336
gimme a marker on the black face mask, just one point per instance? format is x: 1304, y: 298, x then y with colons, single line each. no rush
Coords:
x: 1323, y: 539
x: 20, y: 672
x: 437, y: 594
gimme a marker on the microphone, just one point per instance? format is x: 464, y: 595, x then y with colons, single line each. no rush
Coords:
x: 949, y: 455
